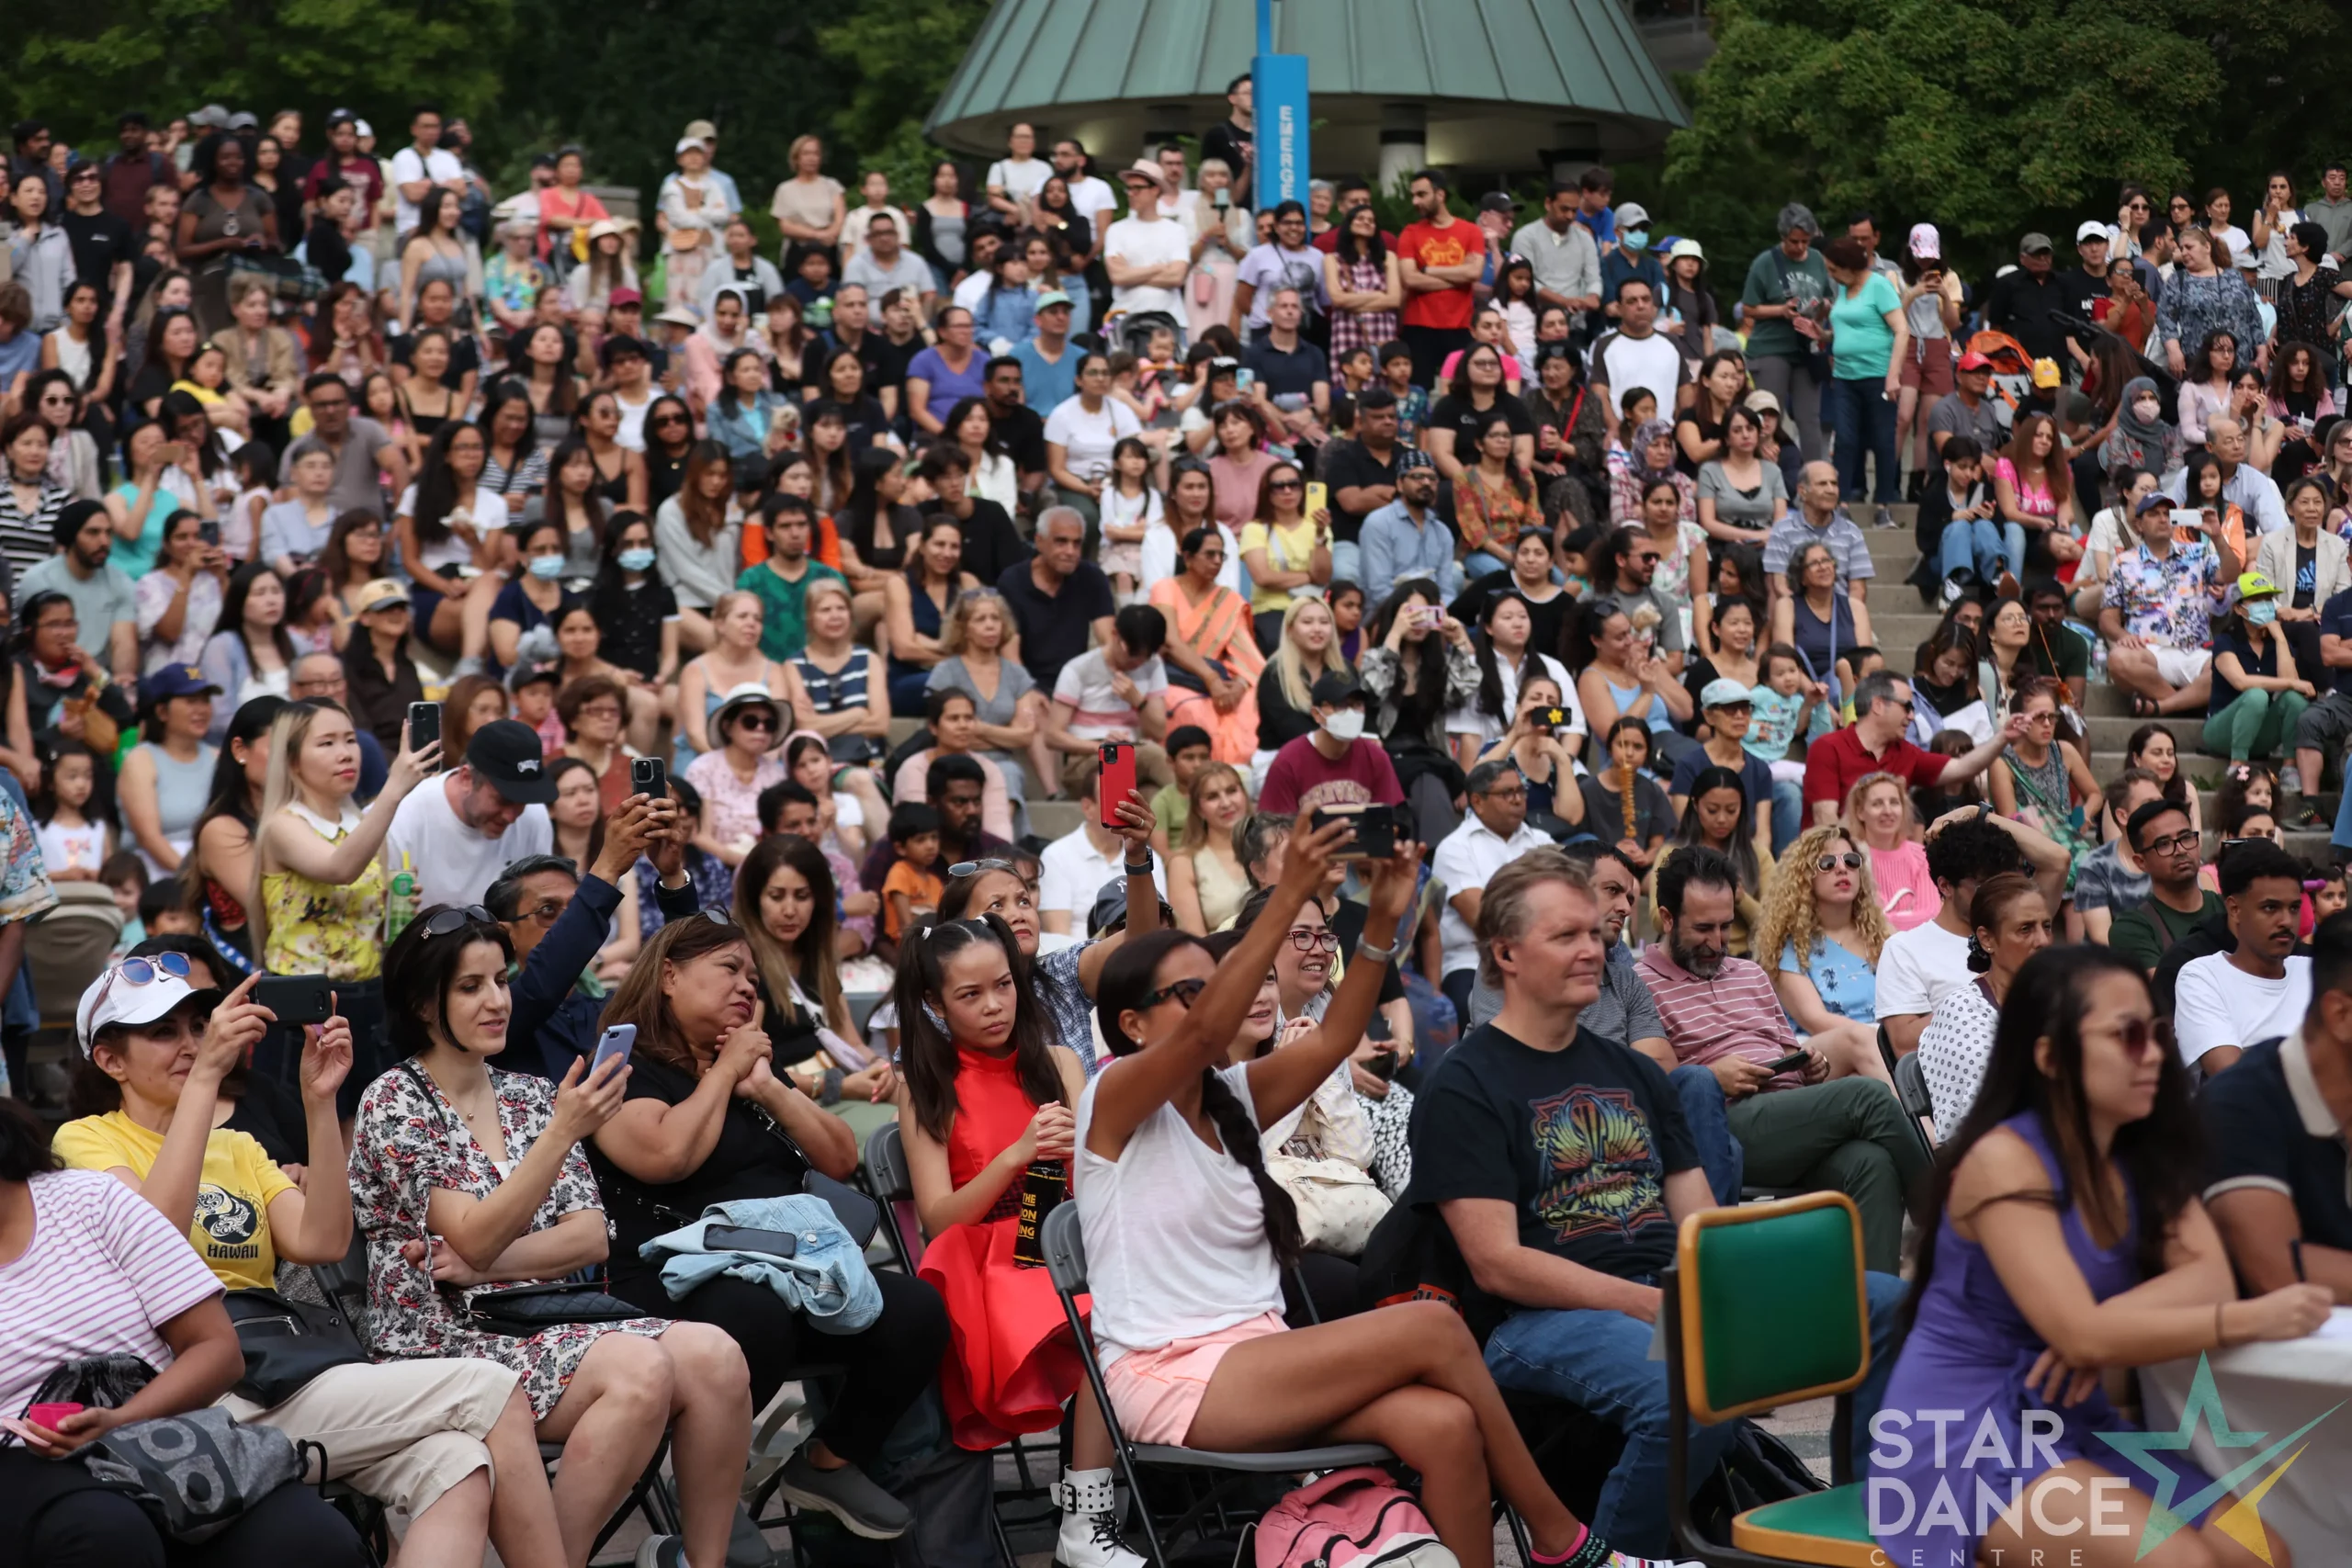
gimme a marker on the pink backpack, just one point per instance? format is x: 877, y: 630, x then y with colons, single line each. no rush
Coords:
x: 1350, y: 1518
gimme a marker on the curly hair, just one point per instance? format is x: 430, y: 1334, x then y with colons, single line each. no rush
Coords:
x: 1789, y: 914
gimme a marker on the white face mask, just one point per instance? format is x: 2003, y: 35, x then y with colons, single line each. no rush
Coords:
x: 1345, y: 723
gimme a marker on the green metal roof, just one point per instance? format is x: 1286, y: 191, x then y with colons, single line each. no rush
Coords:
x: 1584, y: 56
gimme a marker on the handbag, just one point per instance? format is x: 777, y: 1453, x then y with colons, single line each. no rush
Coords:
x: 283, y: 276
x: 522, y: 1311
x: 1339, y: 1204
x: 194, y: 1474
x: 288, y: 1342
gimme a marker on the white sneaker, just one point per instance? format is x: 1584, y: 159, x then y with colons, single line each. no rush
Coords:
x: 1090, y: 1532
x: 2290, y: 778
x: 1953, y: 591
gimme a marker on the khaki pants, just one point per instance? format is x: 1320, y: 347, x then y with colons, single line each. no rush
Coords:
x: 1151, y: 768
x: 403, y: 1432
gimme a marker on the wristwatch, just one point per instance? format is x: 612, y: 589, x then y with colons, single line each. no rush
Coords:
x: 1132, y: 869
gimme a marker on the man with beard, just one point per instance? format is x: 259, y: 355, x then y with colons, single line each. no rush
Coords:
x: 1562, y: 1163
x: 105, y: 602
x: 1797, y: 1128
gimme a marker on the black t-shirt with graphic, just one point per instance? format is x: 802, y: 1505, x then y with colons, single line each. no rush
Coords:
x: 1580, y: 1141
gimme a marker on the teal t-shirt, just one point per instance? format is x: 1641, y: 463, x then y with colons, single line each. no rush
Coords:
x: 137, y: 556
x: 1774, y: 279
x: 1864, y: 342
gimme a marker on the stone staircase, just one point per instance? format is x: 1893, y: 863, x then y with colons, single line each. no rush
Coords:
x: 1900, y: 622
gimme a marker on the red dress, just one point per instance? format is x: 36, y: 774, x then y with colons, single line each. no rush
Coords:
x: 1010, y: 1362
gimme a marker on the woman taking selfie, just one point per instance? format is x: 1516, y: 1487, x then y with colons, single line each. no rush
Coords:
x: 465, y: 1176
x: 707, y: 1119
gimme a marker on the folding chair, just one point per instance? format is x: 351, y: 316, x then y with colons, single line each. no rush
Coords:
x: 1918, y: 1109
x: 1764, y: 1307
x: 1065, y: 1249
x: 885, y: 1167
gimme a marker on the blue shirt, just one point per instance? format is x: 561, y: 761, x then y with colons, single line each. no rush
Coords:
x: 946, y: 387
x: 1849, y: 986
x: 1047, y: 384
x: 1393, y: 548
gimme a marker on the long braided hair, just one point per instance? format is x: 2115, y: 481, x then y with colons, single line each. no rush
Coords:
x: 1126, y: 978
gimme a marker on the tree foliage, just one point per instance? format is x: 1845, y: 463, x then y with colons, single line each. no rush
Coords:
x: 1995, y: 116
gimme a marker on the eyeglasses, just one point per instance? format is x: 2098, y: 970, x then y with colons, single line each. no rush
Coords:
x: 2185, y: 842
x: 1308, y: 940
x: 442, y: 922
x: 547, y: 914
x: 147, y: 971
x: 1515, y: 791
x: 1851, y: 860
x: 1182, y: 992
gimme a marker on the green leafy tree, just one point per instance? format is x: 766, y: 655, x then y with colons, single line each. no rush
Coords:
x: 1991, y: 117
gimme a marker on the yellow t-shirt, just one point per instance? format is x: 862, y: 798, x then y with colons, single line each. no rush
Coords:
x: 1287, y: 550
x: 230, y: 1230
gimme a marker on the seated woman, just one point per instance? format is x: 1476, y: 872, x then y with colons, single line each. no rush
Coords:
x: 729, y: 780
x: 2067, y: 1238
x: 1545, y: 761
x: 2258, y: 692
x: 1718, y: 816
x: 1211, y: 653
x: 708, y: 1120
x: 465, y: 1177
x: 1820, y: 939
x: 1206, y: 881
x: 1419, y: 667
x: 1878, y: 816
x: 988, y: 1099
x: 785, y: 899
x: 915, y: 603
x: 2010, y: 922
x: 982, y: 648
x: 1186, y: 1235
x: 429, y: 1437
x: 955, y: 722
x: 167, y: 777
x: 1623, y: 805
x: 535, y: 595
x: 88, y: 1268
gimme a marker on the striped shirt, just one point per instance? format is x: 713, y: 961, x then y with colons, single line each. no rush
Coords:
x: 1737, y: 1014
x: 104, y: 1268
x: 28, y: 540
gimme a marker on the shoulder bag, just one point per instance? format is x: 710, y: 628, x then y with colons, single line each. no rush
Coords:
x: 286, y: 1343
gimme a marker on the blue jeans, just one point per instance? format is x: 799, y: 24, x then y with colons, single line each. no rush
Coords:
x: 1720, y: 1156
x: 1986, y: 547
x: 1860, y: 416
x: 1479, y: 563
x: 1599, y: 1361
x: 1788, y: 814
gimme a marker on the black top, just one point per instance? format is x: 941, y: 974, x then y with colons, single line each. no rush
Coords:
x: 869, y: 357
x: 1348, y: 923
x: 1292, y: 375
x: 464, y: 353
x: 327, y: 250
x: 1347, y: 466
x: 2020, y: 305
x: 1709, y: 430
x: 2231, y: 637
x: 1457, y: 414
x: 98, y: 241
x: 1023, y: 434
x: 2254, y: 1138
x: 1579, y: 1141
x: 890, y: 362
x: 906, y: 528
x: 1279, y: 724
x: 863, y: 419
x: 991, y: 544
x: 380, y: 703
x: 1055, y: 629
x: 754, y: 1158
x: 630, y: 619
x: 663, y: 475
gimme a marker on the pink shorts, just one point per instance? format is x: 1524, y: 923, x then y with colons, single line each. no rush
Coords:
x: 1157, y: 1393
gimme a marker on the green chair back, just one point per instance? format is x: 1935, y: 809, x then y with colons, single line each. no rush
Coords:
x: 1771, y: 1303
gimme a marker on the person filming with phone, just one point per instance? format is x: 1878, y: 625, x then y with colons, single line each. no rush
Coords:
x: 455, y: 835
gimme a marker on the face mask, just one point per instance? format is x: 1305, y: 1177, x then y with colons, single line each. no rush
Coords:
x: 2146, y: 410
x: 1635, y: 239
x: 1345, y: 723
x: 2261, y: 613
x: 638, y: 560
x: 547, y: 568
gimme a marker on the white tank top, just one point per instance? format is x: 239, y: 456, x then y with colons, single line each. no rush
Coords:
x: 1175, y: 1232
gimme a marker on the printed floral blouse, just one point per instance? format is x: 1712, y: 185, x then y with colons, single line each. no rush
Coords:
x: 318, y: 929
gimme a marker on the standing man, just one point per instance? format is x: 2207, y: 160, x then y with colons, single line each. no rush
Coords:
x: 1441, y: 258
x: 1563, y: 254
x: 2260, y: 988
x: 1783, y: 304
x: 421, y: 165
x: 1146, y: 252
x: 2332, y: 211
x: 104, y: 245
x: 489, y: 812
x: 1637, y: 354
x: 1631, y: 259
x: 133, y: 167
x: 1235, y: 140
x: 1059, y: 600
x: 2023, y: 303
x: 1090, y: 197
x: 2083, y: 286
x: 1494, y: 834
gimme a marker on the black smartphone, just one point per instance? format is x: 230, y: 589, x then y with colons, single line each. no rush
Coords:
x: 1381, y: 1065
x: 423, y: 725
x: 650, y: 776
x: 1376, y: 829
x: 1789, y: 1063
x: 748, y: 1238
x: 296, y: 999
x: 209, y: 531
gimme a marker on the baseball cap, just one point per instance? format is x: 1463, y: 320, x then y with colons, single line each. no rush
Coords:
x: 244, y: 120
x: 1332, y: 689
x: 176, y: 681
x: 2035, y: 242
x: 1051, y: 297
x: 1926, y: 242
x: 1972, y: 361
x: 1761, y: 398
x: 1632, y: 213
x: 362, y: 127
x: 530, y: 672
x: 1413, y: 461
x: 135, y: 991
x: 1723, y: 693
x: 2150, y: 502
x: 380, y: 594
x: 624, y: 297
x: 686, y: 141
x: 701, y: 130
x: 211, y: 117
x: 2090, y: 229
x: 2045, y: 374
x: 506, y: 751
x: 2254, y: 585
x: 1497, y: 201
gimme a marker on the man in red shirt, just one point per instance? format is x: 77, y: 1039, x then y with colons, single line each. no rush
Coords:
x: 1873, y: 743
x: 1335, y: 764
x: 1441, y: 256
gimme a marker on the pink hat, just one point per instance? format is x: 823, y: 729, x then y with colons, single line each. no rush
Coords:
x: 1925, y: 244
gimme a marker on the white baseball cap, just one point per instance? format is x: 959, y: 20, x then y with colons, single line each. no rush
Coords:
x: 135, y: 991
x: 2090, y: 229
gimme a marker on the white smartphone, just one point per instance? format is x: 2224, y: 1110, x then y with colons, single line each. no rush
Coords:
x: 615, y: 1046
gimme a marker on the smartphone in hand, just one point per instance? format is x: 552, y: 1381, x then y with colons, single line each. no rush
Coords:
x: 1118, y: 758
x: 423, y: 725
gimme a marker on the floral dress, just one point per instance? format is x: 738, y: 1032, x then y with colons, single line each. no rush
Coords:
x: 411, y: 1140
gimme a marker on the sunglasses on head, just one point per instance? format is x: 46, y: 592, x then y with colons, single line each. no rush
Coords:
x: 442, y: 922
x: 974, y: 868
x: 1851, y: 860
x: 142, y: 972
x: 1182, y: 992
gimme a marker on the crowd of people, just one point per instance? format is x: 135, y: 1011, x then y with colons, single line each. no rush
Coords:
x: 759, y: 606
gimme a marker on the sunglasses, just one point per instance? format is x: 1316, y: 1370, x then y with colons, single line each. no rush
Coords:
x: 1851, y: 860
x: 1182, y: 992
x: 443, y: 923
x: 718, y: 917
x: 671, y: 419
x: 753, y: 721
x: 2137, y: 1036
x: 146, y: 971
x: 1287, y: 484
x: 974, y: 868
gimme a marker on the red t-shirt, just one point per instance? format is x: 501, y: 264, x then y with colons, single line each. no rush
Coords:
x: 1431, y: 246
x: 1834, y: 762
x: 1300, y: 777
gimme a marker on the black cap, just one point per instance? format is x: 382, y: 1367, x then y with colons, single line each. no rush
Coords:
x: 1497, y: 201
x: 618, y: 344
x: 1332, y: 689
x: 506, y: 751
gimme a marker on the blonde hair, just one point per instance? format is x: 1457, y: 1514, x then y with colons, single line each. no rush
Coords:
x: 826, y: 585
x: 1790, y: 917
x: 956, y: 630
x: 1853, y: 818
x: 792, y: 156
x: 1290, y: 671
x: 1196, y: 824
x: 288, y: 733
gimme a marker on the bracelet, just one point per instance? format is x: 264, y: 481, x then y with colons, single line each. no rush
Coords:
x: 1377, y: 955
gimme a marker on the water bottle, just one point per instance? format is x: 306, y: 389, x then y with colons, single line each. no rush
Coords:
x: 399, y: 901
x: 1043, y: 1186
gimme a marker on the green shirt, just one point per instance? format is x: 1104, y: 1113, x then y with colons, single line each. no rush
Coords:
x: 2142, y: 935
x: 784, y: 606
x: 1864, y: 343
x: 1807, y: 281
x: 1168, y: 807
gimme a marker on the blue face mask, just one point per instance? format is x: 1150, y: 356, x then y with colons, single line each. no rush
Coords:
x: 547, y: 568
x: 1635, y: 239
x: 638, y: 560
x: 2261, y: 611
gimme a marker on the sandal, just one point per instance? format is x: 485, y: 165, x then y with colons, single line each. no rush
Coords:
x: 2144, y: 708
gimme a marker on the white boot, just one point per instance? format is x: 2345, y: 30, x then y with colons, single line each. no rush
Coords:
x: 1089, y: 1536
